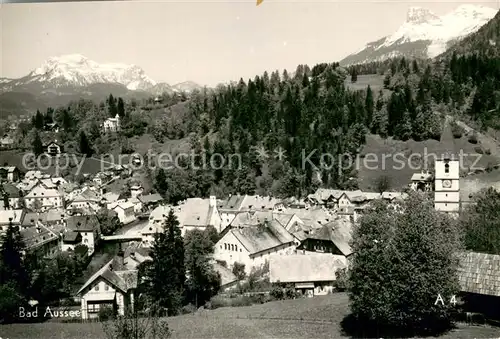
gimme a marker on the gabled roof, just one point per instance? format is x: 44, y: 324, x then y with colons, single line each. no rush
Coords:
x: 16, y: 216
x: 253, y: 218
x: 71, y: 236
x: 31, y: 218
x: 480, y: 273
x: 37, y: 236
x: 422, y: 177
x: 150, y: 198
x: 339, y: 232
x: 9, y: 169
x: 305, y: 268
x: 83, y: 223
x: 121, y: 280
x: 55, y: 215
x: 260, y: 238
x: 87, y: 195
x: 233, y: 203
x: 11, y: 190
x: 40, y: 192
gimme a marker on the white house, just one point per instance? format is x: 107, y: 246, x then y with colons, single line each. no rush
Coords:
x: 112, y: 124
x: 243, y: 203
x: 13, y: 195
x: 136, y: 190
x: 53, y: 148
x: 310, y: 274
x: 193, y: 213
x: 10, y: 173
x: 112, y: 286
x: 15, y: 217
x: 252, y: 246
x: 46, y: 198
x: 87, y: 198
x: 125, y: 211
x: 83, y: 229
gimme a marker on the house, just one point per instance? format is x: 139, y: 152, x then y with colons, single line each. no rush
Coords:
x: 479, y: 274
x: 41, y: 198
x: 11, y: 216
x: 86, y: 198
x: 136, y: 191
x: 53, y: 148
x: 255, y: 218
x: 252, y: 246
x: 13, y: 195
x: 310, y: 274
x: 193, y: 213
x: 109, y: 198
x: 55, y: 217
x: 52, y: 127
x: 84, y: 229
x: 238, y: 203
x: 111, y: 124
x: 423, y: 181
x: 150, y: 201
x: 41, y: 240
x: 31, y: 219
x: 6, y: 142
x: 124, y: 210
x: 10, y: 173
x: 333, y: 237
x: 135, y: 255
x: 112, y: 286
x: 53, y: 183
x: 36, y: 175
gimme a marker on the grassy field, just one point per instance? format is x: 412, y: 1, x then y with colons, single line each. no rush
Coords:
x: 375, y: 81
x: 318, y: 317
x: 400, y: 168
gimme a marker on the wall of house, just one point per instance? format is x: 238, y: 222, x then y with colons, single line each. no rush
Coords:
x: 126, y: 216
x: 94, y: 295
x: 344, y: 201
x: 68, y: 247
x: 89, y: 240
x: 215, y: 220
x: 260, y: 258
x: 226, y: 219
x: 230, y: 250
x: 293, y: 220
x: 47, y: 202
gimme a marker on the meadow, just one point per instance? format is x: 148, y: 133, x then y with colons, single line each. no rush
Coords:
x: 318, y: 317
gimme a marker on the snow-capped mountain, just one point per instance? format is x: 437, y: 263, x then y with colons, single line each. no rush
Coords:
x: 77, y: 70
x: 186, y: 86
x: 424, y: 34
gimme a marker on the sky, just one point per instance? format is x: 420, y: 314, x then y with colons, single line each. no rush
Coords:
x: 203, y: 41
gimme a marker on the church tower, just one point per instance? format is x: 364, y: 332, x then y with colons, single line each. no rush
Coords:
x: 447, y: 175
x: 447, y: 185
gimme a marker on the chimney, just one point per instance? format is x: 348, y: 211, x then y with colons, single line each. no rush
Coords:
x: 213, y: 201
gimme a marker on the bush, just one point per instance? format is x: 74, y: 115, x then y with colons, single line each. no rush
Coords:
x: 478, y: 150
x: 189, y: 308
x: 106, y: 313
x: 487, y: 151
x: 341, y: 280
x: 277, y: 293
x: 473, y: 138
x: 456, y: 130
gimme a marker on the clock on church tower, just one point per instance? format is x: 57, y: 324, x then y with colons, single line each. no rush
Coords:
x: 447, y: 185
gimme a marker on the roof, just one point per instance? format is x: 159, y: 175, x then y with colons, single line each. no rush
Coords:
x: 87, y: 195
x: 339, y: 232
x: 37, y: 236
x: 31, y: 218
x: 150, y: 198
x: 40, y: 191
x: 71, y: 236
x: 260, y: 238
x: 252, y: 218
x: 111, y: 196
x: 226, y: 275
x: 304, y: 268
x: 233, y: 203
x: 55, y: 215
x: 195, y: 212
x: 394, y: 195
x: 16, y: 215
x: 11, y: 190
x: 83, y: 223
x: 9, y: 169
x: 315, y: 217
x: 123, y: 205
x: 257, y: 202
x: 422, y: 177
x: 480, y: 273
x: 122, y: 280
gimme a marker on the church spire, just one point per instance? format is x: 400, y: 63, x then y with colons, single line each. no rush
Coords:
x: 447, y: 148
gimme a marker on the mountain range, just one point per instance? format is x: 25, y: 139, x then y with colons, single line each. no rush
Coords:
x: 424, y: 34
x: 61, y: 79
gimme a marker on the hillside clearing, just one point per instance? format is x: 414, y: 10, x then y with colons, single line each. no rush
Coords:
x: 318, y: 317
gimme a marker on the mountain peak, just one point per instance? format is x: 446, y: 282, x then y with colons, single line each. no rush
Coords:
x: 424, y: 34
x: 419, y: 15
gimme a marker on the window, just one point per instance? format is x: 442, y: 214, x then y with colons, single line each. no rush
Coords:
x: 232, y: 247
x: 225, y: 246
x: 446, y: 168
x: 93, y: 308
x: 106, y: 287
x: 96, y: 287
x: 236, y: 248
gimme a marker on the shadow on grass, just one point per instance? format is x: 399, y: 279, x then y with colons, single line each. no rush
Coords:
x: 362, y: 328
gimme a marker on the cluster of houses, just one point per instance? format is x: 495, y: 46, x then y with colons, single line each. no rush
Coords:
x: 304, y: 241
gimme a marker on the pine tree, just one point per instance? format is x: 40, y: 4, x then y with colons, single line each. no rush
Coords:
x: 161, y: 184
x: 166, y: 275
x: 38, y: 120
x: 112, y: 109
x: 121, y: 108
x: 354, y: 75
x: 12, y: 269
x: 84, y: 145
x: 369, y: 105
x: 37, y: 144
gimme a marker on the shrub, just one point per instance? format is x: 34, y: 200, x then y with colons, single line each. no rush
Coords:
x: 290, y: 293
x: 106, y: 313
x: 473, y: 138
x: 341, y: 280
x: 189, y: 308
x: 277, y: 293
x: 456, y: 130
x: 487, y: 151
x: 478, y: 150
